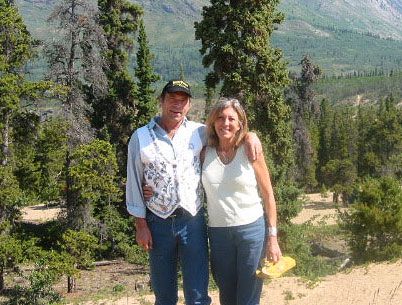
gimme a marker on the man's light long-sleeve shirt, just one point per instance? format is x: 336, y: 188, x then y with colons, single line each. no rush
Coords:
x: 170, y: 150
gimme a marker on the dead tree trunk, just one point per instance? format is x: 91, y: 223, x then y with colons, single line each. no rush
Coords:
x: 70, y: 284
x: 5, y: 134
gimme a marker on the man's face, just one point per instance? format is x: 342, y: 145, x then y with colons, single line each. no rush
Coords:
x: 175, y: 106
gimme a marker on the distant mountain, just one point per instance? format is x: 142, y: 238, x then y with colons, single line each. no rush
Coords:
x: 378, y: 17
x: 342, y: 36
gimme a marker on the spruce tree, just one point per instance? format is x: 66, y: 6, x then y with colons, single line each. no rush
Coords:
x: 51, y: 149
x: 373, y: 223
x: 75, y: 62
x: 235, y: 37
x: 310, y: 73
x: 15, y: 51
x: 146, y: 104
x: 339, y: 172
x: 26, y: 127
x: 11, y: 254
x: 305, y: 110
x: 324, y: 131
x: 93, y: 175
x: 115, y: 115
x: 382, y: 146
x: 368, y: 162
x: 235, y: 44
x: 16, y: 48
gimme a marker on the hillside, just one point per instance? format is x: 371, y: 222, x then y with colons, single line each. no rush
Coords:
x: 341, y: 36
x: 377, y: 17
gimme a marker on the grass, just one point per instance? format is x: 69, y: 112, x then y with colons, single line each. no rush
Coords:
x: 100, y: 296
x: 323, y: 231
x: 288, y: 295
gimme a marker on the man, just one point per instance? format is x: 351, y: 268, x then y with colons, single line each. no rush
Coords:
x: 165, y: 155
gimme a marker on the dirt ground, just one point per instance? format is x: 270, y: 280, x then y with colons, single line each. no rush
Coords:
x: 379, y: 284
x: 375, y: 284
x: 39, y: 213
x: 318, y: 209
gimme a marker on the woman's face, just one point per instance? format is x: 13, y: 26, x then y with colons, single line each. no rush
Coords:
x: 227, y: 124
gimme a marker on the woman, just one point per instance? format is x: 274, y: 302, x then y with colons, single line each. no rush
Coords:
x: 232, y: 183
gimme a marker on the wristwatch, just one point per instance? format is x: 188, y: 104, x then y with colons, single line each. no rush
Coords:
x: 272, y: 231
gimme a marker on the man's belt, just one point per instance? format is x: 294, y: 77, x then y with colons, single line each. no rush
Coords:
x: 178, y: 212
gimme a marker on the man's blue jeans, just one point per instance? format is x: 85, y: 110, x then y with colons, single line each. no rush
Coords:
x: 235, y: 256
x: 181, y: 238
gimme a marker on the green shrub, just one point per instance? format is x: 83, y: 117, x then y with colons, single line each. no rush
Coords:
x: 134, y: 254
x: 288, y: 201
x: 295, y: 242
x: 374, y: 222
x: 119, y: 288
x: 81, y: 246
x: 48, y: 269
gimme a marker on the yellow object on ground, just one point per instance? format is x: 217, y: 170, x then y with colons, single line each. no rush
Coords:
x: 273, y: 270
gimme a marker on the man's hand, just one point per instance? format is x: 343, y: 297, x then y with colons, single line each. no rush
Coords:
x: 143, y: 234
x: 253, y: 146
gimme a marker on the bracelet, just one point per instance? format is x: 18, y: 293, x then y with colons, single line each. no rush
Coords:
x: 272, y: 231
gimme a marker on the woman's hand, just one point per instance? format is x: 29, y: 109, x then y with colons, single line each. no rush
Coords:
x: 147, y: 192
x: 273, y: 252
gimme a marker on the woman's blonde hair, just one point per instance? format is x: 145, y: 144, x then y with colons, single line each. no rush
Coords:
x: 216, y: 110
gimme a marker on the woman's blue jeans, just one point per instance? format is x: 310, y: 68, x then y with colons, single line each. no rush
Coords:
x: 235, y: 256
x: 181, y: 239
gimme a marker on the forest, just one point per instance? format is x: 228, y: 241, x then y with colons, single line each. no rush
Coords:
x: 64, y: 136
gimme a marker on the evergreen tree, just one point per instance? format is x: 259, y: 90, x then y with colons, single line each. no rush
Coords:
x: 338, y: 153
x: 81, y: 247
x: 367, y: 162
x: 48, y: 267
x: 10, y: 255
x: 235, y: 43
x: 305, y: 111
x: 324, y: 127
x: 374, y: 223
x: 26, y: 126
x: 51, y: 149
x: 75, y: 62
x: 310, y: 73
x: 387, y: 130
x: 10, y: 200
x: 340, y: 176
x: 147, y: 104
x: 381, y: 145
x: 115, y: 115
x: 16, y: 48
x: 15, y: 51
x: 93, y: 173
x: 208, y: 100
